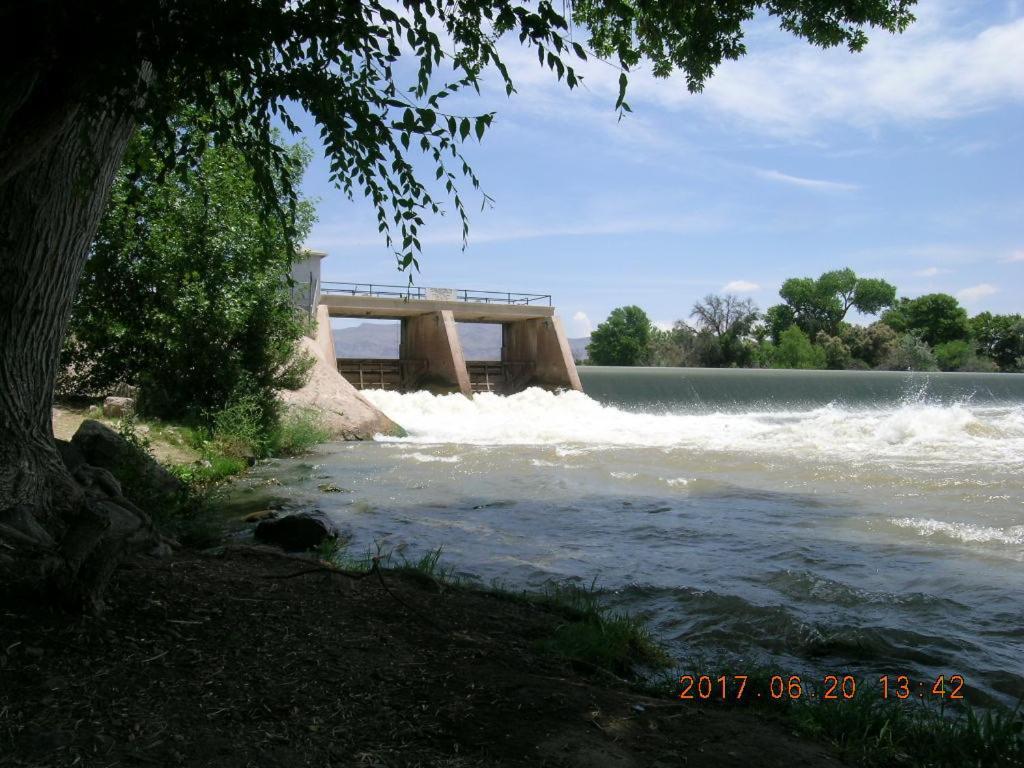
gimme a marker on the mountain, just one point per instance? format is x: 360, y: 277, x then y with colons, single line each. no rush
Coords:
x: 480, y: 341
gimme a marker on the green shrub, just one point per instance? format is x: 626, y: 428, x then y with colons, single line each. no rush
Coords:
x: 244, y: 429
x: 796, y: 351
x: 910, y: 354
x: 298, y: 430
x: 185, y: 291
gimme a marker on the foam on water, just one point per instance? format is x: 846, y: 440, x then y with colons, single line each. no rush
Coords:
x: 961, y: 531
x: 923, y: 431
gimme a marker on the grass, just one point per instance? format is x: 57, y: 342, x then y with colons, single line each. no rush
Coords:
x: 871, y: 731
x: 589, y: 633
x: 299, y: 430
x: 226, y: 450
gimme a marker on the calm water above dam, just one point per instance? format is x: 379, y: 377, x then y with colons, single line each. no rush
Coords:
x: 814, y: 521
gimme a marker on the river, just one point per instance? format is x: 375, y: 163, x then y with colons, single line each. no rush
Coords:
x: 815, y: 522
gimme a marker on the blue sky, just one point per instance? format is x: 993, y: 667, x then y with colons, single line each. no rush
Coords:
x: 905, y: 162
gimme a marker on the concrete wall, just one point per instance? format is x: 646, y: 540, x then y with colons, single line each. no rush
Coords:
x: 324, y: 338
x: 306, y: 274
x: 432, y: 337
x: 543, y: 343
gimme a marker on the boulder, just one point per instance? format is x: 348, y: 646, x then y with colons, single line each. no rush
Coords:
x: 298, y: 532
x: 70, y: 455
x: 141, y: 476
x: 345, y: 413
x: 118, y: 407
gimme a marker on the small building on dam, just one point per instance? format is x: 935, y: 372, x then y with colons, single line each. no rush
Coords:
x: 534, y: 349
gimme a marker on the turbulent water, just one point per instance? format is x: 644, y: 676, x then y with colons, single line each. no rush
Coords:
x: 815, y: 522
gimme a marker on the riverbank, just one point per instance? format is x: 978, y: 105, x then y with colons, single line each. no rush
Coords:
x: 253, y: 659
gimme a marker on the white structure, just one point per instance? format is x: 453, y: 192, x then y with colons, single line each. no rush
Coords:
x: 306, y: 276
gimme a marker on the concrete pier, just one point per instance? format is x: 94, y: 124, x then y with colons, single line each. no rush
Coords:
x: 432, y: 337
x: 542, y: 344
x: 535, y: 350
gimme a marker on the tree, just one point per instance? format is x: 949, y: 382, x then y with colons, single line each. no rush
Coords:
x: 871, y: 344
x: 795, y: 350
x: 185, y: 291
x: 960, y: 355
x: 728, y: 320
x: 727, y: 314
x: 1000, y: 337
x: 622, y: 339
x: 77, y: 78
x: 777, y: 320
x: 910, y: 354
x: 934, y: 318
x: 837, y: 353
x: 822, y: 304
x: 662, y: 350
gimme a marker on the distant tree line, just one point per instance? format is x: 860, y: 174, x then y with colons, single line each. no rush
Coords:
x: 809, y: 329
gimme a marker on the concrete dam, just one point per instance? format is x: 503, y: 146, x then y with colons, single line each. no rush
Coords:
x: 534, y: 349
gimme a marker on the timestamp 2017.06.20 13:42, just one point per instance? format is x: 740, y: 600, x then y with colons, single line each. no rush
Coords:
x: 826, y: 688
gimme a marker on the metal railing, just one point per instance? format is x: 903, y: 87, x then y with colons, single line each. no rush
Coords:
x: 418, y: 292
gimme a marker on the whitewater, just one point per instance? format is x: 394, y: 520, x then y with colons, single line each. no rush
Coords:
x: 811, y: 522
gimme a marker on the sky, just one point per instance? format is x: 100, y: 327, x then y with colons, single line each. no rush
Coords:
x: 905, y: 162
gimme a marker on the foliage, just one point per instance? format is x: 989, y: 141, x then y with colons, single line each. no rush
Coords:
x: 184, y: 514
x: 374, y: 76
x: 934, y: 318
x: 837, y: 353
x: 622, y: 339
x: 724, y: 315
x: 185, y: 291
x: 664, y: 349
x: 820, y: 305
x: 795, y: 350
x: 593, y: 634
x: 778, y: 319
x: 298, y: 430
x: 725, y: 324
x: 1000, y: 337
x: 909, y: 354
x: 870, y: 344
x: 954, y: 355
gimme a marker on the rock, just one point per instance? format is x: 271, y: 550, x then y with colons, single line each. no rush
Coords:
x: 263, y: 514
x: 70, y: 455
x: 344, y: 412
x: 332, y: 488
x: 118, y: 407
x: 99, y: 478
x: 141, y: 476
x: 298, y: 532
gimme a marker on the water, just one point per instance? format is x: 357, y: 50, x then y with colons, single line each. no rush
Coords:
x: 816, y: 522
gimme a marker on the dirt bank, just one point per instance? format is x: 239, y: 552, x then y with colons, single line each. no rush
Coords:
x: 237, y: 661
x: 167, y: 444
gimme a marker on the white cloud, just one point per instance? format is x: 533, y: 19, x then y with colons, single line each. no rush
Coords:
x: 976, y: 292
x: 931, y: 272
x: 581, y: 325
x: 663, y: 325
x: 329, y: 236
x: 740, y: 286
x: 1015, y: 257
x: 924, y: 74
x: 937, y: 70
x: 820, y: 185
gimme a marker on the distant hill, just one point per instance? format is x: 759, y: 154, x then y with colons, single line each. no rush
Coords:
x: 480, y: 341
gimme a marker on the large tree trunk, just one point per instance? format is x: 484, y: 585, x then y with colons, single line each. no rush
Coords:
x: 59, y: 534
